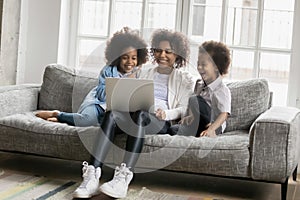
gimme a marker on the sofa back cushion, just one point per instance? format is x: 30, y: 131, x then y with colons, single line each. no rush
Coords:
x: 64, y: 88
x: 249, y: 99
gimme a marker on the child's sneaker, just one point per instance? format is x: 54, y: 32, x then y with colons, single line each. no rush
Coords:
x: 118, y: 186
x: 90, y: 184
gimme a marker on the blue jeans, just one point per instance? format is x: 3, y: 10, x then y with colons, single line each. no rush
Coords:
x: 92, y: 115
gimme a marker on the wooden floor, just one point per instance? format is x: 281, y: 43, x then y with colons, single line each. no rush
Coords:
x: 162, y: 181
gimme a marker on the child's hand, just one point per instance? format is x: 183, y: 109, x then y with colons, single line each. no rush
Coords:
x: 160, y: 114
x: 187, y: 120
x: 208, y: 133
x: 133, y: 73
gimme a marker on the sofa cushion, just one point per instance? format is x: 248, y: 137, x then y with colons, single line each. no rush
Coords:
x: 227, y: 155
x: 64, y: 88
x: 24, y: 132
x: 249, y: 99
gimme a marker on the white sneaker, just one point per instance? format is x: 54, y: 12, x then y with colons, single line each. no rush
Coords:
x: 90, y: 184
x: 118, y: 186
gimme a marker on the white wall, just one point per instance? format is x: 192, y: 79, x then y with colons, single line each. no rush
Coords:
x: 294, y: 79
x: 64, y: 32
x: 9, y: 41
x: 39, y: 38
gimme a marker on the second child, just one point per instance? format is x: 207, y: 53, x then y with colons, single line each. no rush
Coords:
x: 210, y: 107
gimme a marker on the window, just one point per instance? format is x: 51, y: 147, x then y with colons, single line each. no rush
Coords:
x: 259, y: 32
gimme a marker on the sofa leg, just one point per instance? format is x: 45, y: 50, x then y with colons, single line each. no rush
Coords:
x: 284, y: 187
x: 295, y: 174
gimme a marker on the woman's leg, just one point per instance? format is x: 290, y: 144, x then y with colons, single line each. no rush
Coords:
x: 91, y: 173
x: 104, y: 139
x: 135, y: 142
x: 118, y: 186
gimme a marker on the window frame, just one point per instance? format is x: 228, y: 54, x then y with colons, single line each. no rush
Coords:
x: 183, y: 14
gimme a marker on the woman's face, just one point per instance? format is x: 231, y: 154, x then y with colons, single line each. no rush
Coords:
x: 128, y: 60
x: 164, y: 54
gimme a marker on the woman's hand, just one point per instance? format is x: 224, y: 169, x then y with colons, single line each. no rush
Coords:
x: 160, y: 114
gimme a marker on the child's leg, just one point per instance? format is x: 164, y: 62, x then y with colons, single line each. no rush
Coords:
x: 205, y: 115
x: 201, y: 112
x: 45, y: 114
x: 90, y: 116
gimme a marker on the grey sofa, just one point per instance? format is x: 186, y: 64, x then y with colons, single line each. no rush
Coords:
x: 261, y: 142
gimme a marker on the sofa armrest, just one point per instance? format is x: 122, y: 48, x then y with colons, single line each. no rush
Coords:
x: 18, y: 98
x: 274, y: 144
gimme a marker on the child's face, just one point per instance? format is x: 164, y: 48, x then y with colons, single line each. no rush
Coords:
x: 164, y: 54
x: 207, y: 68
x: 128, y: 60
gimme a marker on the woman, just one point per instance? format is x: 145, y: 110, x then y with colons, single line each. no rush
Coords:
x: 172, y: 86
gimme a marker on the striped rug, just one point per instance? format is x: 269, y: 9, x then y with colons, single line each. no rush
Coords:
x: 24, y: 187
x: 16, y: 186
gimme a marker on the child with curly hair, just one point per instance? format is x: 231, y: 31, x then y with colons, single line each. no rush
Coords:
x: 125, y: 52
x: 210, y: 107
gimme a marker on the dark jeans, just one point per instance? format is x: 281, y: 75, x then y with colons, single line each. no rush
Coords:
x: 135, y: 125
x: 202, y: 117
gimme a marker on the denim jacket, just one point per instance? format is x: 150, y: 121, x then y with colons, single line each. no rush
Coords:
x: 97, y: 95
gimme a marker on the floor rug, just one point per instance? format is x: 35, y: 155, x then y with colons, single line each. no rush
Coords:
x: 146, y: 194
x: 15, y: 186
x: 24, y: 187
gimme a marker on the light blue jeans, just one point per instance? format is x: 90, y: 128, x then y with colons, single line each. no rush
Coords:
x: 92, y: 115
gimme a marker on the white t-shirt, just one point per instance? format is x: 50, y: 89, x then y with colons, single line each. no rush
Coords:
x: 161, y: 90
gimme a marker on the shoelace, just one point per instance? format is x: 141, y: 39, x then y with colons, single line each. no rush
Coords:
x: 85, y: 167
x: 121, y: 172
x: 86, y: 174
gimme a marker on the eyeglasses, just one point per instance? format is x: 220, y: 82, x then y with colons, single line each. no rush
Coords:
x: 167, y: 51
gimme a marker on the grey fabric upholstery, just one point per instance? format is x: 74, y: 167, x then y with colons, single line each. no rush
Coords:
x: 24, y: 132
x: 18, y: 98
x: 275, y: 144
x: 250, y: 98
x: 270, y: 152
x: 227, y: 155
x: 64, y: 88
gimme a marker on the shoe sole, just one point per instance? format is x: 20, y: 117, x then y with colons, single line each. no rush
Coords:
x: 81, y: 197
x: 108, y: 193
x: 85, y: 196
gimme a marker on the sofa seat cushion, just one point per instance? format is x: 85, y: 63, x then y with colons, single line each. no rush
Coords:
x: 24, y: 132
x: 226, y: 155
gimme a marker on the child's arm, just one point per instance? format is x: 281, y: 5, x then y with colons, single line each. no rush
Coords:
x: 107, y: 71
x: 210, y: 132
x: 187, y: 120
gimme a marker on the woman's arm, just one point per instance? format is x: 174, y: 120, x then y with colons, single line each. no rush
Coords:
x: 181, y: 88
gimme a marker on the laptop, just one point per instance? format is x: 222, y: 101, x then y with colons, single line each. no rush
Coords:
x: 129, y: 94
